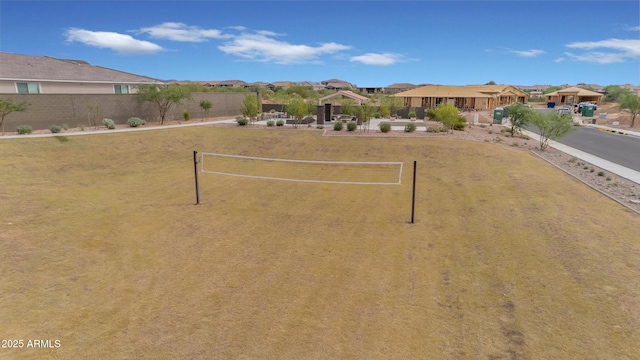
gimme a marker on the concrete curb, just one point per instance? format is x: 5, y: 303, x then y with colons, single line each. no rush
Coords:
x: 613, y: 131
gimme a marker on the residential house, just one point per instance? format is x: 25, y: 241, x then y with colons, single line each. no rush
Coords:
x: 573, y: 95
x: 27, y: 74
x: 469, y: 97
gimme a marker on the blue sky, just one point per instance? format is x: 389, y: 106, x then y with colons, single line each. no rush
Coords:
x: 368, y: 43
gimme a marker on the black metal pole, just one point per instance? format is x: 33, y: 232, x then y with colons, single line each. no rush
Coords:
x: 413, y: 197
x: 195, y: 168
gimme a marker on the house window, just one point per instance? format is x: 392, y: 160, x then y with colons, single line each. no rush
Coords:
x: 121, y: 89
x: 28, y: 88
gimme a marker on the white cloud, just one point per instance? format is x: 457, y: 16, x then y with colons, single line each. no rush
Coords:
x: 560, y: 59
x: 633, y: 28
x: 180, y: 32
x: 121, y: 43
x: 527, y: 53
x: 378, y: 59
x: 261, y: 47
x: 619, y: 50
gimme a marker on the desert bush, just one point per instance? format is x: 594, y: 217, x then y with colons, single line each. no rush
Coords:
x: 460, y: 123
x: 280, y: 122
x: 242, y: 121
x: 135, y: 122
x: 55, y: 129
x: 186, y: 116
x: 385, y: 127
x: 352, y: 125
x: 110, y: 124
x: 431, y: 113
x: 601, y: 173
x: 411, y: 127
x: 65, y: 127
x: 24, y: 129
x: 436, y: 129
x: 270, y: 122
x: 319, y: 127
x: 337, y: 126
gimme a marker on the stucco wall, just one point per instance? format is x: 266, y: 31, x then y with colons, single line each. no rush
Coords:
x: 72, y: 109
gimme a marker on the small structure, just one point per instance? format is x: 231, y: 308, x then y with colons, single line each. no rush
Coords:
x: 359, y: 99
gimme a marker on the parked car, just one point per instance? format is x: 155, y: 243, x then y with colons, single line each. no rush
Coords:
x: 577, y: 108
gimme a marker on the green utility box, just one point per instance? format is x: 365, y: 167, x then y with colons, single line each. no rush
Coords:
x: 498, y: 113
x: 587, y: 110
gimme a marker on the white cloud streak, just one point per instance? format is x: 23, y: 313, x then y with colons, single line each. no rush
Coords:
x: 615, y: 51
x: 527, y: 53
x: 383, y: 59
x: 633, y: 28
x: 180, y: 32
x: 263, y: 48
x: 121, y: 43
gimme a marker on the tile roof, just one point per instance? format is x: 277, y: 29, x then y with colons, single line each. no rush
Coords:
x: 44, y: 68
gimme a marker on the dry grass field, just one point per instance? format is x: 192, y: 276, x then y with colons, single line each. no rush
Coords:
x: 103, y: 249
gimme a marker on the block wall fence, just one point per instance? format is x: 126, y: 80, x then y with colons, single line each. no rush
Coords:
x: 72, y: 109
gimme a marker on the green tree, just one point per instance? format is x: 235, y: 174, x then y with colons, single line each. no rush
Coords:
x: 631, y: 103
x: 385, y: 109
x: 8, y: 106
x: 551, y: 89
x: 519, y: 117
x: 365, y: 113
x: 298, y: 109
x: 347, y: 107
x: 552, y: 126
x: 164, y: 97
x: 205, y: 106
x: 250, y: 107
x: 447, y: 114
x: 614, y: 93
x: 491, y: 83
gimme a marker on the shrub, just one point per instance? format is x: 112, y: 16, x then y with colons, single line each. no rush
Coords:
x: 24, y: 129
x: 352, y: 125
x: 411, y: 127
x: 186, y: 115
x: 460, y: 123
x: 65, y: 127
x: 319, y: 127
x: 385, y: 127
x: 55, y: 129
x: 601, y: 173
x: 270, y: 122
x: 110, y: 124
x: 135, y: 122
x: 242, y: 121
x: 280, y: 122
x: 81, y: 126
x: 435, y: 129
x: 412, y: 113
x: 337, y: 126
x: 431, y: 113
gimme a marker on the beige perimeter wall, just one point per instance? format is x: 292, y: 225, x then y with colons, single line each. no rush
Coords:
x: 72, y: 109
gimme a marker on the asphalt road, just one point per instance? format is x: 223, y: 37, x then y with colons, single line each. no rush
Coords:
x: 623, y: 150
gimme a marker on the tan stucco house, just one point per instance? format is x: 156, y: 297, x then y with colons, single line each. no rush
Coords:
x: 573, y: 95
x: 26, y: 74
x: 468, y: 97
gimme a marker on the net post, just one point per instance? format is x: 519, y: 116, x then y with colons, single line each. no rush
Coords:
x: 195, y: 168
x: 413, y: 195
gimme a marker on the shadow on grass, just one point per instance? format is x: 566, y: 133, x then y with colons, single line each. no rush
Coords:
x: 62, y: 139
